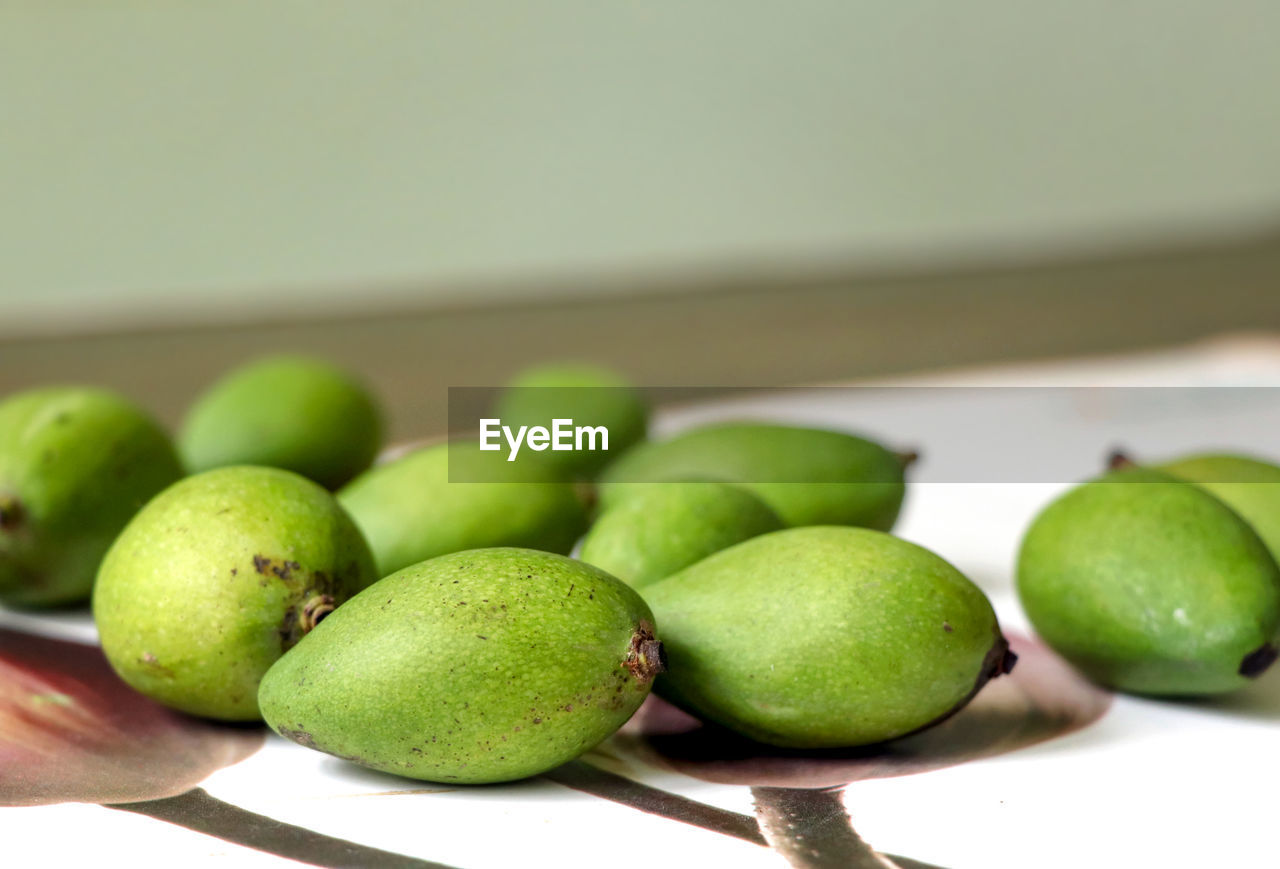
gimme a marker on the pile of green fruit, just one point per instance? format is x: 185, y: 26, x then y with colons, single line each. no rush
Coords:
x: 404, y: 618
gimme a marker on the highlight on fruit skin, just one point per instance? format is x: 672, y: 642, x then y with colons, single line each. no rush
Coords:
x: 481, y: 666
x: 300, y: 413
x: 216, y: 578
x: 825, y: 637
x: 76, y: 463
x: 1149, y: 584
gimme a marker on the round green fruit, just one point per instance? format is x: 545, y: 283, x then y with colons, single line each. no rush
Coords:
x: 216, y: 578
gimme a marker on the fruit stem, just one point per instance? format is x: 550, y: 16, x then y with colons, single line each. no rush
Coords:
x: 314, y: 611
x: 1258, y: 661
x: 645, y: 658
x: 908, y: 458
x: 1119, y: 460
x: 10, y: 512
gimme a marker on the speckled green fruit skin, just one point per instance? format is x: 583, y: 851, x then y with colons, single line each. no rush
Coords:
x: 587, y: 394
x: 216, y: 578
x: 665, y: 527
x: 808, y: 476
x: 294, y: 412
x: 1247, y: 485
x: 481, y: 666
x: 1150, y: 585
x: 409, y: 510
x: 824, y: 637
x: 75, y: 464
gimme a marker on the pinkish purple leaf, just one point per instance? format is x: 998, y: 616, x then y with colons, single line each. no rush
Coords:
x: 72, y: 731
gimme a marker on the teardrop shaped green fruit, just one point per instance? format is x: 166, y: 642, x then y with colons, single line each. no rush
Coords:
x: 409, y: 510
x: 75, y: 465
x: 590, y: 395
x: 664, y: 527
x: 825, y: 637
x: 808, y: 476
x: 481, y: 666
x: 1149, y: 584
x: 299, y: 413
x: 216, y: 578
x: 1247, y: 485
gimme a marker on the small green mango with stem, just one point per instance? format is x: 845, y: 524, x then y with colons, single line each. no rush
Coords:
x: 1149, y: 584
x: 825, y: 637
x: 481, y: 666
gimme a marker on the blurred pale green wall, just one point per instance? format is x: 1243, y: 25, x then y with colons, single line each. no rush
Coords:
x: 169, y: 157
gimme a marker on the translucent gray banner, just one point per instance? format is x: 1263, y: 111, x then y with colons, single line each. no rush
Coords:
x: 948, y: 434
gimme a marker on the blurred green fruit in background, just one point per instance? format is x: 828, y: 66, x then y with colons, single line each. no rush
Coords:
x: 299, y: 413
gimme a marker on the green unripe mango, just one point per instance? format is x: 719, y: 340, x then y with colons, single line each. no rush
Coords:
x: 481, y: 666
x: 825, y: 637
x: 587, y: 394
x: 217, y: 577
x: 409, y: 510
x: 75, y: 465
x: 664, y: 527
x: 1151, y: 585
x: 299, y: 413
x: 1247, y: 485
x: 808, y: 476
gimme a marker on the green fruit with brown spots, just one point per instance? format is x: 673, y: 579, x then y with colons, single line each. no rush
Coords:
x: 216, y: 578
x: 1149, y: 584
x: 75, y: 465
x: 825, y: 637
x: 662, y: 528
x: 481, y: 666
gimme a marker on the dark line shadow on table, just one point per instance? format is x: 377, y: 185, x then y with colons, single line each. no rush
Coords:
x: 197, y: 810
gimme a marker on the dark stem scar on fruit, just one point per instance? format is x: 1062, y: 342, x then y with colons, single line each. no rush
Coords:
x: 1118, y: 460
x: 999, y: 661
x: 196, y: 810
x: 1258, y: 661
x: 11, y: 512
x: 645, y: 657
x: 908, y: 457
